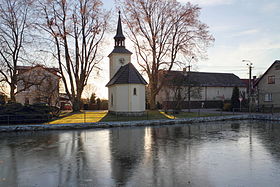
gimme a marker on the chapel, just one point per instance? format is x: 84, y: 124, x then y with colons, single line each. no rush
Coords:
x: 126, y: 88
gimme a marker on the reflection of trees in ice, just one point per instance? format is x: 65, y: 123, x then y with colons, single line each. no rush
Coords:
x: 181, y: 155
x: 24, y: 155
x: 127, y: 149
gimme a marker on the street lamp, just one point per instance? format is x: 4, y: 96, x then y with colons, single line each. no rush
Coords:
x: 249, y: 64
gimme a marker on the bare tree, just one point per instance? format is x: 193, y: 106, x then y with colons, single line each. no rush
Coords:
x: 13, y: 29
x: 175, y: 87
x: 76, y: 28
x: 162, y: 31
x: 88, y: 91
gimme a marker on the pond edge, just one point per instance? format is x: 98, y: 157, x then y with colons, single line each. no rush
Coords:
x: 72, y: 126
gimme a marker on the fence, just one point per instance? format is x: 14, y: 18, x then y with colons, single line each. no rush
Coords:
x: 94, y: 116
x: 104, y: 116
x: 24, y: 119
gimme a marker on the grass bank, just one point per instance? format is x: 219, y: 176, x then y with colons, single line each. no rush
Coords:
x: 104, y: 116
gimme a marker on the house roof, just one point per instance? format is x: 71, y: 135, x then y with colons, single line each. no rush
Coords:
x: 127, y: 74
x: 275, y: 63
x: 23, y: 69
x: 209, y: 79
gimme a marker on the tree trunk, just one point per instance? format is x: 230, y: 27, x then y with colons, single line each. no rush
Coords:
x: 12, y: 93
x: 152, y: 100
x: 77, y: 101
x: 76, y: 105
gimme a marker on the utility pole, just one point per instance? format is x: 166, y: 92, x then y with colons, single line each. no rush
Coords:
x: 189, y: 85
x: 249, y: 64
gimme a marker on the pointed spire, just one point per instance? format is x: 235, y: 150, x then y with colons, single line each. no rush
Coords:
x: 119, y: 37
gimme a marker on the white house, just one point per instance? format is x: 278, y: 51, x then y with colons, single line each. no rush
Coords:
x: 37, y: 84
x: 208, y: 90
x: 126, y: 86
x: 268, y: 86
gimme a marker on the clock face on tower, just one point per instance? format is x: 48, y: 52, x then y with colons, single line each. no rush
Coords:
x: 122, y: 60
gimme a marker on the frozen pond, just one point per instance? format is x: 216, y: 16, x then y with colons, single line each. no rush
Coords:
x: 238, y: 153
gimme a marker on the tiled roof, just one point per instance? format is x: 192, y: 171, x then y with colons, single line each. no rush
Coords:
x: 119, y: 34
x: 23, y: 69
x: 127, y: 74
x: 209, y: 79
x: 120, y: 49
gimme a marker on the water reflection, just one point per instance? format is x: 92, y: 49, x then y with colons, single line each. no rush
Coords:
x: 127, y: 148
x: 212, y: 154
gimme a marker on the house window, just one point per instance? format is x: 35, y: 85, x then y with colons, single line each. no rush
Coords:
x: 271, y: 79
x: 134, y: 91
x: 112, y: 100
x: 268, y: 97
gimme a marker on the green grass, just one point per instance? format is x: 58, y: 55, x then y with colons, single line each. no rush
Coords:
x: 195, y: 114
x: 149, y: 115
x: 104, y: 116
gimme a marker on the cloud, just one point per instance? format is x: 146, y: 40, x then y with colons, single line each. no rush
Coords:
x: 228, y: 59
x: 209, y: 2
x: 246, y: 32
x: 270, y: 7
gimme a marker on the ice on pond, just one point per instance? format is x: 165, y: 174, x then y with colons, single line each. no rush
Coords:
x: 240, y: 153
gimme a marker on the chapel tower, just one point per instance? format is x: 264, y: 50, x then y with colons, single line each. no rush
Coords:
x: 126, y: 88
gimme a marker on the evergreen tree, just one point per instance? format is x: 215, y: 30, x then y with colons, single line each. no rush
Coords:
x: 98, y: 102
x: 235, y: 98
x: 92, y: 98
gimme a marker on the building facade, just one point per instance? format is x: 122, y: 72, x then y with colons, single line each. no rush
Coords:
x: 268, y: 86
x: 126, y: 88
x: 205, y: 90
x: 37, y: 84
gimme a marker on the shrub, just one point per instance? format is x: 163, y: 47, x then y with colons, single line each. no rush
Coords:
x: 235, y: 98
x: 15, y: 113
x: 227, y: 107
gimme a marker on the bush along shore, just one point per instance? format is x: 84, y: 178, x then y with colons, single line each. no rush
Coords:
x: 71, y: 126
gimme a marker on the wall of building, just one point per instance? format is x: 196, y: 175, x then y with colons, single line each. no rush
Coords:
x: 42, y: 87
x: 218, y: 93
x: 124, y: 99
x: 264, y: 88
x: 115, y: 62
x: 206, y: 94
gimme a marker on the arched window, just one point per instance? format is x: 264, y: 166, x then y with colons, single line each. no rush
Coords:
x: 112, y: 100
x: 134, y: 91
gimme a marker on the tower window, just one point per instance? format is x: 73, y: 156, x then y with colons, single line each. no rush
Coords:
x: 134, y: 91
x: 112, y: 100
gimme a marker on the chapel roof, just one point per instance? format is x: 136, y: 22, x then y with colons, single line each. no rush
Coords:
x: 119, y: 34
x: 119, y: 40
x: 119, y: 49
x: 127, y: 74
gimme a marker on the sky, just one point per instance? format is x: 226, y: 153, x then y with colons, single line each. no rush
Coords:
x: 243, y: 30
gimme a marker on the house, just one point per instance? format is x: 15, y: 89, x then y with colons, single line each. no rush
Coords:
x: 126, y: 86
x: 207, y: 90
x: 64, y: 102
x: 268, y: 86
x: 37, y: 84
